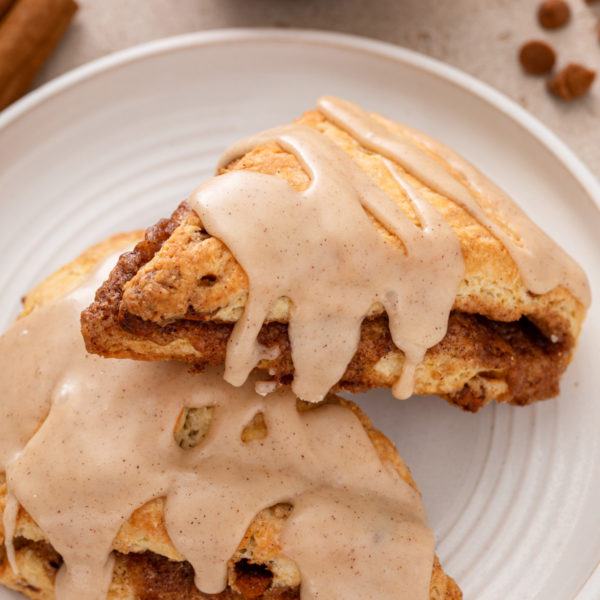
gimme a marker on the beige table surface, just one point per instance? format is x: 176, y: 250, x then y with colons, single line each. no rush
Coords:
x: 478, y: 36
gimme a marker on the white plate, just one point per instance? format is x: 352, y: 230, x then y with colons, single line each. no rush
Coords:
x: 513, y: 494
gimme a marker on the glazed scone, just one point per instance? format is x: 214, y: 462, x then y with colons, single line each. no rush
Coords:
x: 147, y: 566
x: 180, y: 293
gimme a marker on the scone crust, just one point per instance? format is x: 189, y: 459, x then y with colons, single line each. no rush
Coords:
x: 179, y: 293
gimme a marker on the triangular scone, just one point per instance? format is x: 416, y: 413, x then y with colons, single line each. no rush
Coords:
x: 515, y: 307
x: 146, y: 563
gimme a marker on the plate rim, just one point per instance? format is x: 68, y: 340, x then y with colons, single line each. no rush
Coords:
x: 549, y: 140
x: 468, y: 83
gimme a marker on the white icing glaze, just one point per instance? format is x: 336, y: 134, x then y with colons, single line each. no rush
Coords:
x: 543, y: 264
x: 106, y: 447
x: 318, y: 248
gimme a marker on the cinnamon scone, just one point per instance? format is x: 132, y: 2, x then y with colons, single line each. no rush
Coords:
x: 347, y: 252
x: 139, y: 481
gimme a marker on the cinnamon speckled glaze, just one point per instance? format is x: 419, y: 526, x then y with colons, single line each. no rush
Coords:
x: 139, y: 481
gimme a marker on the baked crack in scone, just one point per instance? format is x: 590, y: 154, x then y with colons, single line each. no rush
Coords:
x: 347, y: 252
x: 131, y: 480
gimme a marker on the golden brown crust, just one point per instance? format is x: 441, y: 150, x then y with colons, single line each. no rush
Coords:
x: 177, y: 295
x: 147, y: 566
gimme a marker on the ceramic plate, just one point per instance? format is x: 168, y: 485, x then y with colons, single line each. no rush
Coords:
x: 513, y: 494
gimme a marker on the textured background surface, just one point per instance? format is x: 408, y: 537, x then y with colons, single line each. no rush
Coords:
x: 482, y: 38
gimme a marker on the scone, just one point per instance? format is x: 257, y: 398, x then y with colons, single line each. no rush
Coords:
x: 347, y: 252
x: 118, y: 476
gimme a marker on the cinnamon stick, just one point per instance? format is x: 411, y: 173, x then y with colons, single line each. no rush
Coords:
x: 4, y: 6
x: 28, y: 34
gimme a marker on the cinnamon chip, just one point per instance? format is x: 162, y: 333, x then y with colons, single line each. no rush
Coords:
x: 29, y: 32
x: 553, y: 14
x: 571, y: 82
x: 537, y: 57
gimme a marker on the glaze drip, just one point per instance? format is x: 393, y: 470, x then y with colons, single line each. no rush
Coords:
x: 106, y: 447
x: 543, y: 264
x: 319, y: 248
